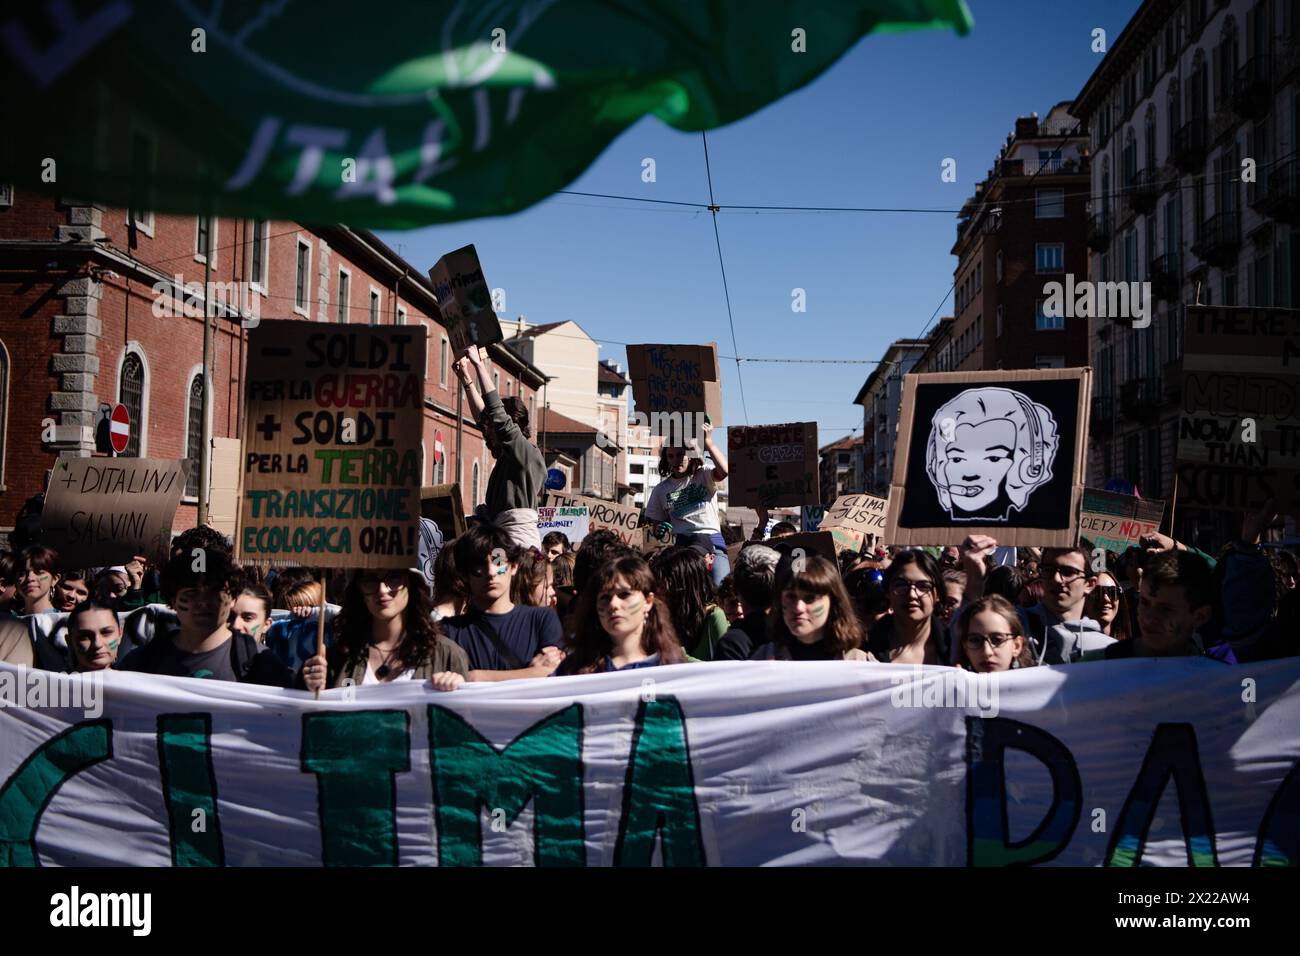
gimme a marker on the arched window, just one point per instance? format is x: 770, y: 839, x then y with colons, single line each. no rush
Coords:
x: 473, y: 488
x: 131, y: 389
x: 194, y: 435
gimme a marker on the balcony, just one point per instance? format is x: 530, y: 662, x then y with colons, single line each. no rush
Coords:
x: 1101, y: 424
x: 1143, y: 191
x: 1172, y: 376
x: 1189, y: 145
x: 1165, y: 276
x: 1252, y: 88
x: 1219, y: 240
x: 1275, y: 192
x: 1099, y: 232
x: 1139, y: 399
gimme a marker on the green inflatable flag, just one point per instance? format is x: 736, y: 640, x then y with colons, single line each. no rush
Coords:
x: 399, y: 115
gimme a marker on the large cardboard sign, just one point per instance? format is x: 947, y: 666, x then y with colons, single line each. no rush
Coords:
x: 676, y: 378
x: 623, y: 520
x: 812, y: 542
x: 774, y: 465
x: 865, y: 514
x: 465, y: 300
x: 1116, y: 522
x: 332, y: 445
x: 101, y: 511
x: 998, y: 453
x: 1239, y: 428
x: 571, y: 521
x: 442, y: 505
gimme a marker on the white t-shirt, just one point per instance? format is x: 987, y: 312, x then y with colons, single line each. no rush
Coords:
x: 370, y: 678
x: 691, y: 504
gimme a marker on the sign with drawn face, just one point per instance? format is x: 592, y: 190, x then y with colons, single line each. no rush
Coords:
x: 998, y: 453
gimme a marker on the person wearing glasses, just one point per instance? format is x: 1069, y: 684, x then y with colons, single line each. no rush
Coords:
x: 912, y: 633
x: 386, y: 633
x: 991, y: 638
x: 815, y: 620
x: 1108, y: 606
x: 503, y: 640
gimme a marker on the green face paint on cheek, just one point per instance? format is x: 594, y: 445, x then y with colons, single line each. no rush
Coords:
x: 635, y: 604
x: 818, y: 611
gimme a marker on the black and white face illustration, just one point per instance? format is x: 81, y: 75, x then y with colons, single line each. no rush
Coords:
x: 989, y: 449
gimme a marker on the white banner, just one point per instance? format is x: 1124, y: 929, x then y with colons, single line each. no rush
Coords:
x: 1166, y: 762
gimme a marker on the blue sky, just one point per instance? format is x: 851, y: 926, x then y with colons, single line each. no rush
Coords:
x: 871, y: 131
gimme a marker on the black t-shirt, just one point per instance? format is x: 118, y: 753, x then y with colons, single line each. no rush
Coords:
x: 797, y: 651
x: 740, y: 642
x: 525, y: 630
x: 174, y: 662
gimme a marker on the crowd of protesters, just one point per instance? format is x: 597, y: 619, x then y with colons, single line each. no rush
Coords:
x: 499, y: 602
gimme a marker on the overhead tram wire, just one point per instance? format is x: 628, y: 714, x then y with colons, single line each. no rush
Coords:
x: 717, y: 238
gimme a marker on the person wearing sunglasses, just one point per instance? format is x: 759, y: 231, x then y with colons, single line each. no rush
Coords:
x: 1108, y: 606
x: 912, y: 633
x: 991, y: 638
x: 385, y: 633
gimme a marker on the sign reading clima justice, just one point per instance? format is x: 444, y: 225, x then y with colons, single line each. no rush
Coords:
x: 332, y: 453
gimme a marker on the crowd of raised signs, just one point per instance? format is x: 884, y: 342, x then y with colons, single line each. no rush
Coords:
x: 486, y: 608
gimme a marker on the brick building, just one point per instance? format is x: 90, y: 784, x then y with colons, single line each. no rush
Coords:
x: 82, y: 327
x: 1024, y: 227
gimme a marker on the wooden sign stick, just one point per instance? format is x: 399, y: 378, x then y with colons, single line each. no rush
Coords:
x: 320, y: 623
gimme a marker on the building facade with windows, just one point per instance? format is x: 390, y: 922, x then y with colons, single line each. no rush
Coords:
x: 840, y: 469
x: 93, y: 311
x: 642, y: 454
x: 1023, y: 228
x: 881, y: 398
x: 1187, y: 94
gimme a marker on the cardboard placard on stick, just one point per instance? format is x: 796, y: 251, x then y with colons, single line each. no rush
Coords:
x: 865, y: 514
x: 465, y: 300
x: 1115, y: 522
x: 676, y: 378
x: 774, y: 465
x: 104, y: 511
x: 1239, y: 427
x: 999, y: 453
x: 332, y: 449
x: 441, y: 504
x: 623, y: 520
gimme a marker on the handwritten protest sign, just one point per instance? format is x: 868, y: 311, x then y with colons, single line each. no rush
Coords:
x: 571, y: 521
x: 1116, y: 522
x: 1239, y: 430
x: 623, y: 520
x: 332, y: 450
x: 865, y: 514
x: 811, y: 516
x: 465, y: 300
x: 774, y: 465
x: 106, y: 510
x: 655, y: 538
x: 676, y: 378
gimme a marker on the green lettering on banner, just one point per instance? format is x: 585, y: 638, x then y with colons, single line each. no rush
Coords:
x: 354, y: 757
x: 543, y: 764
x: 31, y: 787
x: 659, y: 794
x: 189, y: 783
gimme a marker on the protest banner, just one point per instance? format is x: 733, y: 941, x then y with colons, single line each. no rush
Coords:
x: 442, y: 505
x: 913, y: 766
x: 623, y: 520
x: 811, y: 516
x: 676, y: 378
x: 1239, y: 426
x: 571, y: 521
x: 465, y: 300
x: 865, y: 514
x: 101, y: 511
x: 332, y: 448
x: 1116, y: 522
x: 773, y: 465
x: 1000, y: 453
